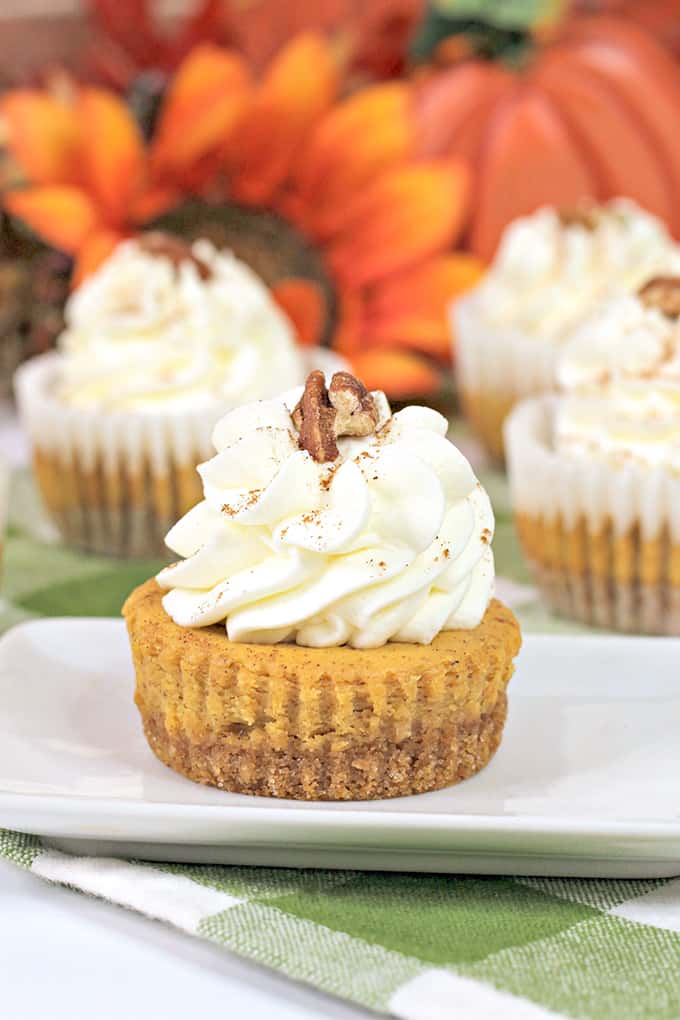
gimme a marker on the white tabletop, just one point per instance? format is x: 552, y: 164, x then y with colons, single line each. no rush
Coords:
x: 66, y: 956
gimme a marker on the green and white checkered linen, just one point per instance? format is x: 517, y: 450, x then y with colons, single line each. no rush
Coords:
x: 418, y: 947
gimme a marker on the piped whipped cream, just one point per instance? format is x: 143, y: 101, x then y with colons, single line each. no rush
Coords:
x: 163, y: 326
x: 388, y: 541
x: 554, y: 266
x: 621, y: 377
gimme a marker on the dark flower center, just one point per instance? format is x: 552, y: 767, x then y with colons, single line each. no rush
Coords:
x: 268, y: 243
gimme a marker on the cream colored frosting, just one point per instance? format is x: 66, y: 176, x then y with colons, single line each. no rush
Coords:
x: 621, y: 374
x: 623, y: 340
x: 390, y: 542
x: 147, y: 333
x: 547, y: 275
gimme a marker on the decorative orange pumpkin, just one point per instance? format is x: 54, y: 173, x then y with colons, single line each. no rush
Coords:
x: 592, y: 114
x: 659, y: 17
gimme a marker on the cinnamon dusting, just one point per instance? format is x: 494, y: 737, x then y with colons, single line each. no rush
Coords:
x: 175, y: 250
x: 662, y: 293
x: 584, y: 214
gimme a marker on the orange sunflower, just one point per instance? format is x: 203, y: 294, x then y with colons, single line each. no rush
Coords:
x: 324, y: 196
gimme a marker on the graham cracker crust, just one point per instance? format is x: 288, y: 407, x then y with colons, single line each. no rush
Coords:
x: 369, y: 771
x: 320, y: 723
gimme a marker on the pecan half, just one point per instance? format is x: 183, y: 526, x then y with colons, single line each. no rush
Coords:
x: 583, y: 215
x: 345, y: 409
x: 167, y: 246
x: 357, y: 414
x: 314, y: 418
x: 662, y: 293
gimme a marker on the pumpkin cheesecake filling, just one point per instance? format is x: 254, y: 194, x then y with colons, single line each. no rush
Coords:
x: 108, y: 507
x: 330, y: 632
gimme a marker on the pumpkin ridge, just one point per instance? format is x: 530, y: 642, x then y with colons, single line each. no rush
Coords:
x: 644, y: 176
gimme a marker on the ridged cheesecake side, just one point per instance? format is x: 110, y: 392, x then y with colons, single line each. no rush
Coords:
x: 320, y: 723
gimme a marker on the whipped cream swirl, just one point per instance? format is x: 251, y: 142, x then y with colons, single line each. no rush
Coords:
x: 621, y: 377
x: 388, y: 542
x: 164, y: 326
x: 554, y: 266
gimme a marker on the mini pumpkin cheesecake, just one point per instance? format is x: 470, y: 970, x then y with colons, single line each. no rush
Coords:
x: 160, y: 341
x: 551, y: 271
x: 595, y: 471
x: 330, y: 632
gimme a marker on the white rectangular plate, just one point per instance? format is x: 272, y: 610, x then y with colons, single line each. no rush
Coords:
x: 587, y: 780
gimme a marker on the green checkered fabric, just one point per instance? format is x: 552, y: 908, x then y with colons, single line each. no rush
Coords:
x: 418, y: 947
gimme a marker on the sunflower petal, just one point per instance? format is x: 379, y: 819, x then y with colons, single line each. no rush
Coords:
x: 411, y: 309
x: 300, y: 85
x: 113, y: 153
x: 348, y: 336
x: 43, y: 135
x: 152, y: 202
x: 413, y: 332
x: 207, y: 97
x: 61, y: 216
x: 409, y: 214
x: 400, y: 374
x: 303, y: 303
x: 429, y: 285
x: 94, y: 250
x: 208, y: 20
x: 361, y: 137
